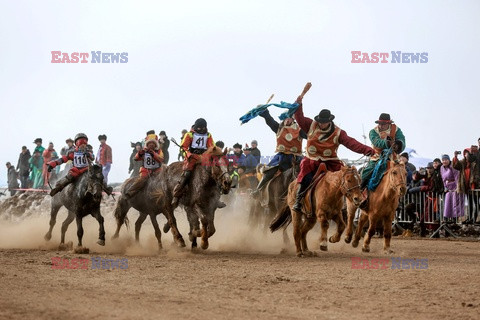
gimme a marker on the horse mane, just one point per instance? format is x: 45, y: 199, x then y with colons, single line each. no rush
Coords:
x: 214, y: 151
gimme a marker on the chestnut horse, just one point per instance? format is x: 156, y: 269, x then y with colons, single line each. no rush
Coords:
x: 382, y: 203
x: 326, y: 202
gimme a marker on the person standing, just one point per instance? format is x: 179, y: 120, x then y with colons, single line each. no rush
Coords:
x: 104, y: 156
x: 165, y: 144
x: 135, y: 166
x: 255, y: 151
x: 454, y: 202
x: 49, y: 154
x: 36, y: 167
x: 65, y: 150
x: 181, y: 152
x: 23, y: 167
x: 12, y: 179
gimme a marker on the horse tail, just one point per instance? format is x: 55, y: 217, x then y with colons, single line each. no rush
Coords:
x: 281, y: 220
x: 121, y: 214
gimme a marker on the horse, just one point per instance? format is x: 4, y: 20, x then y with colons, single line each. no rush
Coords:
x: 326, y: 199
x: 272, y: 197
x: 381, y: 206
x: 81, y: 197
x: 200, y: 198
x: 147, y: 205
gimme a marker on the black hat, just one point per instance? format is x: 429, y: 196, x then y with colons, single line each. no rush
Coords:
x: 102, y: 137
x: 162, y: 133
x: 237, y: 145
x: 138, y: 144
x: 384, y: 119
x: 38, y: 140
x: 437, y: 160
x: 405, y: 154
x: 220, y: 144
x: 200, y: 123
x: 150, y: 132
x: 24, y: 147
x: 324, y: 116
x: 69, y: 140
x: 430, y: 165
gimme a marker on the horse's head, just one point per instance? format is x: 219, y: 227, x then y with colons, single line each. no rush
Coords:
x: 95, y: 181
x: 397, y: 177
x: 216, y: 161
x: 350, y: 185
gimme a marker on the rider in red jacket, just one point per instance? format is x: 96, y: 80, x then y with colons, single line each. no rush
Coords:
x: 81, y: 156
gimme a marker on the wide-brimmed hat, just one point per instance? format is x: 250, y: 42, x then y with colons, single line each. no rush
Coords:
x: 102, y: 137
x: 405, y: 154
x: 384, y: 119
x: 38, y: 140
x: 237, y: 145
x: 324, y: 116
x: 69, y: 140
x: 152, y: 138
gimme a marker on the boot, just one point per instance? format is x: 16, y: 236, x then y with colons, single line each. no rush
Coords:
x: 108, y: 190
x: 136, y: 187
x: 363, y: 186
x: 62, y: 183
x: 300, y: 195
x: 267, y: 176
x: 221, y: 204
x: 178, y: 190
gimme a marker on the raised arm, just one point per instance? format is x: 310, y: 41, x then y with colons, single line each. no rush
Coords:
x: 270, y: 121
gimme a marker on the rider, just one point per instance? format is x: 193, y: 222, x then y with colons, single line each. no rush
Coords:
x: 323, y: 140
x: 152, y: 158
x: 384, y: 136
x: 289, y: 145
x: 80, y: 156
x: 194, y: 143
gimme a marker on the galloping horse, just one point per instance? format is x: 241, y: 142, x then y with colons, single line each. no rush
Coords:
x: 148, y: 205
x: 382, y: 203
x: 81, y: 197
x: 202, y: 193
x: 326, y: 201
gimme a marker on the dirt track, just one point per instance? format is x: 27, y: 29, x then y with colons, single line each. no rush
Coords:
x: 241, y: 276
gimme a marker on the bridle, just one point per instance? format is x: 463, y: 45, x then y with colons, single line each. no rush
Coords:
x: 395, y: 186
x: 345, y: 190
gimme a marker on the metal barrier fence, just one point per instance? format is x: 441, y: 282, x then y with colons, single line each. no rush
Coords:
x: 428, y: 209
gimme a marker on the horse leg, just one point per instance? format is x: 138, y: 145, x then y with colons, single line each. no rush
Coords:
x: 324, y: 231
x: 194, y: 224
x: 79, y: 229
x: 358, y: 233
x: 297, y: 235
x: 65, y: 224
x: 307, y: 225
x: 338, y: 219
x: 138, y: 225
x: 172, y: 222
x: 370, y: 233
x: 120, y: 213
x: 387, y: 234
x: 158, y: 234
x: 53, y: 219
x: 351, y: 209
x: 101, y: 230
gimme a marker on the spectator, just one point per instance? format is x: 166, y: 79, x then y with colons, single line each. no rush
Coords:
x: 454, y: 201
x: 12, y: 179
x: 250, y: 167
x: 23, y: 167
x: 255, y: 151
x: 104, y: 156
x: 135, y: 165
x: 433, y: 186
x: 39, y: 146
x: 238, y: 158
x: 164, y: 144
x: 220, y: 144
x: 49, y: 154
x: 468, y: 180
x: 36, y: 166
x: 181, y: 153
x: 64, y: 151
x: 404, y: 157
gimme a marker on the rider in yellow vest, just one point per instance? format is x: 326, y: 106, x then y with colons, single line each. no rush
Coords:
x: 289, y: 147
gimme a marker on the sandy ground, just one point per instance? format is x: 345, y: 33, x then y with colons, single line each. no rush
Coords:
x: 241, y: 276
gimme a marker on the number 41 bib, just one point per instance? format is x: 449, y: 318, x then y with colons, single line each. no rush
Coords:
x: 199, y: 141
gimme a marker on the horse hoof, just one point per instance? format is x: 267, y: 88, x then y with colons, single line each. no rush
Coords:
x: 62, y: 247
x: 181, y: 242
x: 115, y: 236
x: 204, y: 245
x: 81, y: 250
x: 365, y: 249
x: 333, y: 240
x: 166, y: 227
x: 355, y: 243
x: 324, y: 248
x: 283, y: 251
x: 388, y: 251
x: 308, y: 253
x: 348, y: 239
x: 101, y: 242
x: 300, y: 255
x: 48, y: 236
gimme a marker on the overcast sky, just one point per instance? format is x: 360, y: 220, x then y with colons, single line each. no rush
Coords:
x: 218, y: 59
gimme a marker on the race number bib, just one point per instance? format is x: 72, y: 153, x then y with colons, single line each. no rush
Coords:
x: 149, y: 162
x: 199, y: 141
x: 80, y: 160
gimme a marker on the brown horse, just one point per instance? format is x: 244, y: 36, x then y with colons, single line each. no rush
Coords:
x: 202, y: 193
x: 326, y: 202
x: 382, y: 203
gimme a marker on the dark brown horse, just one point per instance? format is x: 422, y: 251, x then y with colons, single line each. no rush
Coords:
x: 81, y: 198
x: 382, y: 203
x: 326, y: 202
x: 150, y: 201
